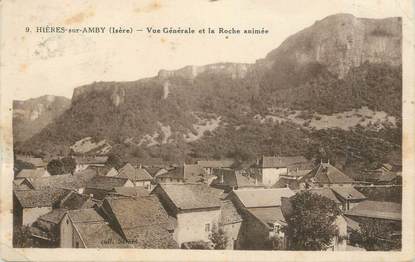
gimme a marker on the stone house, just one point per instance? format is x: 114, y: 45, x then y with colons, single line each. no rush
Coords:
x: 139, y: 176
x: 175, y: 175
x: 273, y: 167
x: 29, y: 205
x: 326, y: 175
x: 196, y: 207
x: 228, y: 179
x: 83, y: 162
x: 209, y: 165
x: 120, y: 222
x: 262, y: 216
x: 348, y: 196
x: 100, y: 186
x: 231, y: 222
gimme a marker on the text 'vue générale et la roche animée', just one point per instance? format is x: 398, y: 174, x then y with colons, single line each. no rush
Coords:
x: 173, y: 30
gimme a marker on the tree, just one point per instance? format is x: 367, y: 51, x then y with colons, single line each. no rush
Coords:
x: 68, y: 165
x: 22, y: 238
x: 55, y: 167
x: 114, y: 161
x: 311, y: 223
x: 218, y: 237
x: 376, y: 235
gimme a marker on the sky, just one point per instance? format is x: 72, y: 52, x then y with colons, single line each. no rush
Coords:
x: 36, y: 64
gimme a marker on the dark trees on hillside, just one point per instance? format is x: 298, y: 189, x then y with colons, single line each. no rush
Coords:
x: 115, y: 161
x: 61, y: 166
x: 311, y: 225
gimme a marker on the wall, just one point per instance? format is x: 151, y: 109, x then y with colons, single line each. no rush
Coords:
x: 254, y: 235
x: 191, y: 225
x: 66, y: 232
x: 270, y: 176
x: 30, y: 215
x: 232, y: 233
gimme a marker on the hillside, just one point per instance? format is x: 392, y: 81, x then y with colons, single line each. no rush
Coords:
x: 339, y: 64
x: 31, y: 116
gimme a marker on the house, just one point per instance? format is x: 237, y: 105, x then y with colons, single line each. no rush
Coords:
x: 139, y: 176
x: 209, y: 165
x: 231, y: 221
x: 375, y: 212
x: 193, y: 173
x: 292, y: 184
x: 100, y: 186
x: 328, y: 193
x: 326, y: 174
x: 262, y: 215
x: 83, y: 162
x: 37, y: 162
x: 272, y: 167
x: 227, y: 179
x: 295, y: 174
x: 29, y: 205
x: 74, y: 200
x: 175, y: 175
x: 104, y: 170
x: 33, y: 173
x: 383, y: 175
x: 47, y: 228
x: 76, y: 181
x: 136, y: 191
x: 197, y: 208
x: 22, y: 184
x: 348, y: 196
x: 119, y: 223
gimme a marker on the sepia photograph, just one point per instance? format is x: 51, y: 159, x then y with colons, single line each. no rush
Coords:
x: 275, y: 128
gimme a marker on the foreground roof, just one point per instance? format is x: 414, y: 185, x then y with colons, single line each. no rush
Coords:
x: 54, y: 216
x: 86, y: 215
x: 193, y: 196
x: 262, y: 197
x: 325, y: 192
x: 135, y: 191
x: 377, y: 209
x: 268, y: 215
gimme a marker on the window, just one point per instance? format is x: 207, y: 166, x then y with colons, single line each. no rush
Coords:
x: 77, y: 244
x: 67, y: 221
x: 207, y: 228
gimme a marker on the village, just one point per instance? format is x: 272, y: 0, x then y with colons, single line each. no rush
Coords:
x: 208, y: 204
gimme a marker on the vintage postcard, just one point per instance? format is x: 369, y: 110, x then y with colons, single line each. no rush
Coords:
x: 207, y: 130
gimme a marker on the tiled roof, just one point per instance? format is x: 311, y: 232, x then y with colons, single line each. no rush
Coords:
x: 75, y: 201
x: 325, y: 173
x: 130, y: 191
x: 193, y: 196
x: 55, y: 216
x: 282, y: 161
x: 377, y: 209
x: 284, y: 182
x: 176, y: 173
x: 229, y: 213
x: 262, y: 197
x: 40, y: 198
x: 68, y: 181
x: 22, y: 184
x: 215, y: 163
x: 348, y: 192
x: 325, y: 192
x: 352, y: 224
x: 138, y: 216
x: 31, y: 173
x: 134, y: 174
x: 106, y: 182
x: 268, y: 215
x: 86, y: 215
x: 36, y: 161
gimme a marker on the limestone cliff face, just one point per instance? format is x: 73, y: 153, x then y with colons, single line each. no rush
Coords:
x: 30, y: 116
x: 341, y: 42
x: 234, y: 70
x: 114, y: 92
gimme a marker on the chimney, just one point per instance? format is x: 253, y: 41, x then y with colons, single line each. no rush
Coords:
x: 221, y: 180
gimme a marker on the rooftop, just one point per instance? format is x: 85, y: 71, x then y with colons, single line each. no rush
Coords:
x: 40, y: 198
x: 106, y: 182
x: 262, y: 197
x: 193, y: 196
x: 268, y: 215
x: 54, y: 216
x: 348, y: 192
x: 325, y: 192
x: 68, y: 181
x: 377, y: 209
x: 325, y: 173
x: 136, y: 191
x: 32, y: 173
x: 215, y: 163
x: 134, y: 174
x: 87, y: 215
